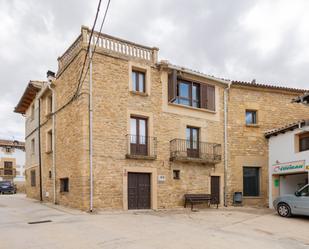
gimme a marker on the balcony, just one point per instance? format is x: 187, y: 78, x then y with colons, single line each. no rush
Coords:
x: 5, y: 172
x: 141, y: 147
x: 201, y: 152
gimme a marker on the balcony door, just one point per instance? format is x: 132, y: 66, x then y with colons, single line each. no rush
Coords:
x: 138, y: 141
x: 192, y: 137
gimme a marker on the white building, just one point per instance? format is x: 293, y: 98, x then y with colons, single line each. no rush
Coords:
x: 12, y: 161
x: 288, y: 159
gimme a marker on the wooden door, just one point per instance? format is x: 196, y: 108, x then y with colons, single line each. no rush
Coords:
x: 139, y: 191
x: 215, y: 189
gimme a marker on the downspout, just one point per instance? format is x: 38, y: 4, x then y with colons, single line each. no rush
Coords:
x: 53, y: 140
x: 226, y: 92
x: 40, y: 157
x: 90, y: 132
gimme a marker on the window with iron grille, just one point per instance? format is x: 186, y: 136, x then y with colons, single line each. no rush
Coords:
x: 64, y: 185
x: 251, y: 181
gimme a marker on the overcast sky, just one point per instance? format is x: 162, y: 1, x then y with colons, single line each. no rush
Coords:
x: 240, y: 40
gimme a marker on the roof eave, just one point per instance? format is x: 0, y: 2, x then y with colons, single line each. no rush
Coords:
x: 28, y: 96
x: 192, y: 72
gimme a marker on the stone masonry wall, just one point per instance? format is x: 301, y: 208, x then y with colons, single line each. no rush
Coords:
x: 247, y: 145
x: 113, y: 104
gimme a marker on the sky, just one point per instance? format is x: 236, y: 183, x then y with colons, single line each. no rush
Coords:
x: 239, y: 40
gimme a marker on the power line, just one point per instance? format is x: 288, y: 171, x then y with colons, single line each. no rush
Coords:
x: 97, y: 40
x: 75, y: 95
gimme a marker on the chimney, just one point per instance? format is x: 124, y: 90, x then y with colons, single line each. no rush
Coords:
x: 50, y: 75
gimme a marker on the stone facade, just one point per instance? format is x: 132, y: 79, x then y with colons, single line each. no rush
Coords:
x: 114, y: 102
x: 247, y: 143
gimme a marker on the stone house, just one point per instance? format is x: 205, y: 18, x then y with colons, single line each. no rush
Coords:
x: 139, y: 133
x: 254, y: 109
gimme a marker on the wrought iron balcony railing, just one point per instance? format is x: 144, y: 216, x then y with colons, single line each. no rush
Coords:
x: 141, y: 147
x: 7, y: 172
x: 191, y: 151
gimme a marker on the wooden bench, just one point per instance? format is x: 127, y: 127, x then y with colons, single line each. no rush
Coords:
x: 200, y: 198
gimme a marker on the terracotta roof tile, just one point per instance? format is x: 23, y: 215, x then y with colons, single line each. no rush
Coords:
x: 285, y: 128
x: 269, y: 86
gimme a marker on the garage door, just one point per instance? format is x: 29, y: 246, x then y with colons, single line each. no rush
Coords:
x: 138, y: 191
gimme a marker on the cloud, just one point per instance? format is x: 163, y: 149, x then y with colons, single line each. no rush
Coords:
x: 241, y: 40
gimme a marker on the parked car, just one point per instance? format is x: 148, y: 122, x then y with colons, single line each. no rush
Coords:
x: 7, y: 187
x: 298, y: 203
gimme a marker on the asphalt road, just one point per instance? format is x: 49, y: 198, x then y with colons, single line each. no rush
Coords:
x: 209, y: 228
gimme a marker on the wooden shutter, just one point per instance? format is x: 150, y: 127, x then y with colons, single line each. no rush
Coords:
x: 203, y: 92
x: 172, y: 85
x: 211, y: 98
x: 208, y: 97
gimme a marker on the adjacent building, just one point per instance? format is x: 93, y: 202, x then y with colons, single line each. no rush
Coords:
x: 288, y: 158
x: 12, y: 162
x: 254, y: 109
x: 140, y: 133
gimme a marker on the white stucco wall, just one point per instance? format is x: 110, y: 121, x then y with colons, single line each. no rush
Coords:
x: 282, y: 150
x: 20, y: 157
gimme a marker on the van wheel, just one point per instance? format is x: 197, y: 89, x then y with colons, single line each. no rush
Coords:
x: 284, y: 210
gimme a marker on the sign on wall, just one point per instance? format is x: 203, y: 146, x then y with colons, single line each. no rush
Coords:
x: 290, y: 167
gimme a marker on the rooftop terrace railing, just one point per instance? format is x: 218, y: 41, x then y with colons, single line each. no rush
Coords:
x: 109, y: 44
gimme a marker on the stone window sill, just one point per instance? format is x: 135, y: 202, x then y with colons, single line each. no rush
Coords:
x: 253, y: 125
x: 252, y: 197
x: 140, y: 157
x: 139, y: 93
x: 192, y: 108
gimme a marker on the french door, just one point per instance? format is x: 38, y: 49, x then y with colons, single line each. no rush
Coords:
x: 139, y: 139
x: 192, y: 137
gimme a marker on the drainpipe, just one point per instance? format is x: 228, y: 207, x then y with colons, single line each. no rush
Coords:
x: 53, y: 139
x: 40, y: 157
x: 90, y: 131
x: 226, y: 92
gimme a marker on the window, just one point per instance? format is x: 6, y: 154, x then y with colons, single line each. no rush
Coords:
x: 49, y: 141
x: 64, y: 185
x: 8, y: 165
x: 138, y: 81
x: 188, y: 93
x: 49, y: 174
x: 185, y: 92
x: 304, y: 141
x: 8, y: 168
x: 138, y: 136
x: 32, y: 111
x: 251, y: 181
x: 192, y: 140
x: 251, y: 117
x: 32, y: 178
x: 8, y: 149
x: 32, y: 146
x: 49, y: 104
x: 176, y: 174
